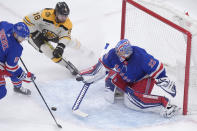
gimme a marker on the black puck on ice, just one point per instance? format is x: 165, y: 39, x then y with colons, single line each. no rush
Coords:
x: 53, y: 108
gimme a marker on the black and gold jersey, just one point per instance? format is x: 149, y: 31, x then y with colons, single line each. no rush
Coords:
x: 44, y: 21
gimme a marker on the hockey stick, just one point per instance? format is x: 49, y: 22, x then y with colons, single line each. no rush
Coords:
x: 58, y: 125
x: 71, y: 67
x: 75, y: 108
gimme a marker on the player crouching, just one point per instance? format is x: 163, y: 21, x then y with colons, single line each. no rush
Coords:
x: 133, y: 72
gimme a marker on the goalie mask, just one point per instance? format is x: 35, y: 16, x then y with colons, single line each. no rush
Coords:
x: 124, y: 49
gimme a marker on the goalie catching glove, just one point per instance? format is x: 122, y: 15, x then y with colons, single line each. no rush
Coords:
x: 92, y: 74
x: 27, y: 77
x: 59, y: 50
x: 167, y: 85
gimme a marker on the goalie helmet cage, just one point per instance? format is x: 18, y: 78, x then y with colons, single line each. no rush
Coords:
x: 142, y: 18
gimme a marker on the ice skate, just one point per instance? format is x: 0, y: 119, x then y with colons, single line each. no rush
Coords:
x: 170, y: 111
x: 22, y: 90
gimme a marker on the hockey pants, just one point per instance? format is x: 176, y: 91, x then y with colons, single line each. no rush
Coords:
x: 16, y: 83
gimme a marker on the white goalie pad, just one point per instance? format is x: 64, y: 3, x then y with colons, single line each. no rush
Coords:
x: 109, y: 95
x: 135, y: 105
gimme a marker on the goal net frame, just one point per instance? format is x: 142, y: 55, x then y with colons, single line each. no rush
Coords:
x: 173, y: 25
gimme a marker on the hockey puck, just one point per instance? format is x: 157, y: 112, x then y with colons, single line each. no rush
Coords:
x: 53, y: 108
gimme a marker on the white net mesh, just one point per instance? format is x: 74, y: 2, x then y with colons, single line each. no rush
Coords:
x: 164, y: 42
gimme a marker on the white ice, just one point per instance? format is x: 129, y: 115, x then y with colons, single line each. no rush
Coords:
x: 95, y: 22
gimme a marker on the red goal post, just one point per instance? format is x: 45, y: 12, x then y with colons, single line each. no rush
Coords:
x: 147, y: 7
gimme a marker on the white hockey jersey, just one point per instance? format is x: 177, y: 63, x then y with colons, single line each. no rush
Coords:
x: 44, y: 21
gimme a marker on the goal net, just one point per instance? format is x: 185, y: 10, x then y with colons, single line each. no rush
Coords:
x: 170, y: 36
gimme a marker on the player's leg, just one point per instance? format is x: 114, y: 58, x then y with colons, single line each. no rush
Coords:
x: 41, y: 45
x: 114, y: 86
x: 18, y: 86
x: 138, y: 97
x: 3, y: 90
x: 48, y: 49
x: 167, y: 85
x: 3, y: 73
x: 36, y: 39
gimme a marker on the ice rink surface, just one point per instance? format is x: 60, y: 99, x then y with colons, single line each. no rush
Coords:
x: 94, y: 23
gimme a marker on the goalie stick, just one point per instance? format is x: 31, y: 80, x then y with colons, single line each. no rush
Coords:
x: 75, y: 108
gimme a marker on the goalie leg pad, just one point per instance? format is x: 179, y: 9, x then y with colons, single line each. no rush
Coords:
x: 110, y: 88
x: 167, y: 85
x: 113, y: 81
x: 143, y: 102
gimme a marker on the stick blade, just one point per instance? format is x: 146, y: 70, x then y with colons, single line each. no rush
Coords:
x: 59, y: 125
x: 80, y: 113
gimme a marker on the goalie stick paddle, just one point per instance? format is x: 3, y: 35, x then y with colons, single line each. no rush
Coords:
x: 79, y: 99
x: 75, y: 108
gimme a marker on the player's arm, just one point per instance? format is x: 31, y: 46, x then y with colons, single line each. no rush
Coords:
x: 12, y: 66
x: 98, y: 71
x: 15, y: 70
x: 153, y: 67
x: 64, y: 38
x: 92, y: 74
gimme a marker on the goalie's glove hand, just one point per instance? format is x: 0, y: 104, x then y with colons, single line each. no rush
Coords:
x: 27, y: 77
x: 84, y: 79
x: 59, y: 50
x: 79, y: 77
x: 167, y: 85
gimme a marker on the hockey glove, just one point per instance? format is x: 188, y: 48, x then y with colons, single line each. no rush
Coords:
x: 58, y: 51
x: 79, y: 77
x: 27, y: 77
x: 167, y: 85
